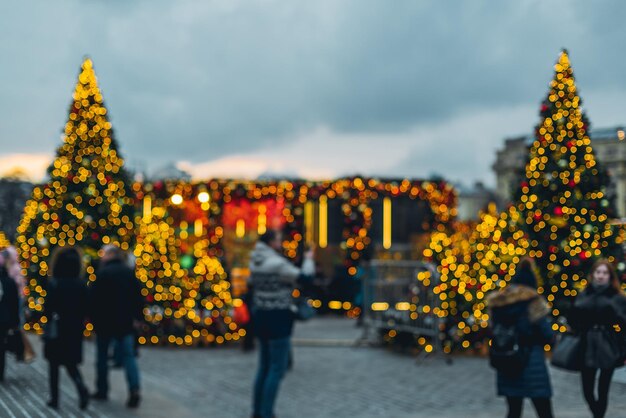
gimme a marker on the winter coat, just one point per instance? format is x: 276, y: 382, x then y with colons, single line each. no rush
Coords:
x: 116, y: 300
x: 523, y: 306
x: 9, y: 302
x: 274, y: 278
x: 68, y: 298
x: 592, y: 316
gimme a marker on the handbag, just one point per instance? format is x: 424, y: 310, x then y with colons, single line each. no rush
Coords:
x: 603, y: 349
x: 303, y: 311
x: 568, y: 353
x: 51, y: 328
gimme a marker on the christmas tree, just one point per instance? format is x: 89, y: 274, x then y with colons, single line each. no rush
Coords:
x: 87, y: 200
x: 563, y: 203
x: 159, y: 272
x: 473, y: 260
x: 496, y: 246
x: 188, y: 299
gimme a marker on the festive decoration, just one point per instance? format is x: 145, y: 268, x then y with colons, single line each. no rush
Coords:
x: 473, y: 260
x: 563, y: 200
x: 188, y: 301
x: 284, y: 205
x: 86, y: 202
x: 561, y: 218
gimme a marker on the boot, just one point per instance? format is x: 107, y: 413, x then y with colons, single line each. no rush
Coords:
x: 83, y: 397
x: 133, y: 400
x: 99, y: 396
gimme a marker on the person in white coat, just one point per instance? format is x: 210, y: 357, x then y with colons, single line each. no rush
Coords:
x: 274, y: 279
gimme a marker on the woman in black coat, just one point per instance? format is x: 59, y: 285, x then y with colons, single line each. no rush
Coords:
x: 519, y: 307
x: 596, y: 310
x: 65, y: 309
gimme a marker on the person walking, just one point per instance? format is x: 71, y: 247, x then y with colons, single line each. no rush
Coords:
x: 595, y: 311
x: 117, y: 307
x: 273, y: 278
x: 9, y: 311
x: 65, y: 309
x: 520, y: 331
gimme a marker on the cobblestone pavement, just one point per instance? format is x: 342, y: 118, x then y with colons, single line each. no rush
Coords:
x: 330, y: 378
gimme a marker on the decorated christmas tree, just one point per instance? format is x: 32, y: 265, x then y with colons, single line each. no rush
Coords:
x: 87, y: 200
x: 563, y: 200
x: 473, y: 260
x: 497, y: 244
x: 160, y: 273
x: 188, y: 299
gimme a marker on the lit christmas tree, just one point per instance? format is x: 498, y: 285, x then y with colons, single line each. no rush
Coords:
x: 87, y: 200
x: 473, y: 260
x: 159, y: 272
x: 562, y: 200
x: 497, y: 244
x: 188, y: 299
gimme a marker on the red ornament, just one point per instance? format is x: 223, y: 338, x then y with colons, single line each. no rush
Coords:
x: 544, y: 107
x: 583, y: 255
x: 95, y: 235
x: 552, y: 249
x: 537, y: 216
x: 570, y: 144
x: 558, y: 211
x: 571, y: 183
x: 524, y: 184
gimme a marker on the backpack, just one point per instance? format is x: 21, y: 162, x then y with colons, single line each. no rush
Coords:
x: 507, y: 353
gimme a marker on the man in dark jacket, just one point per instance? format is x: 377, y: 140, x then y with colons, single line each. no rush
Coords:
x: 9, y: 311
x: 117, y: 307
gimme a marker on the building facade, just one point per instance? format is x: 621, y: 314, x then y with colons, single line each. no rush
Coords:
x: 609, y: 146
x: 474, y: 200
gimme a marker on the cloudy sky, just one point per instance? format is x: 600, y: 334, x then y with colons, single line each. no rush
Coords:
x: 311, y: 88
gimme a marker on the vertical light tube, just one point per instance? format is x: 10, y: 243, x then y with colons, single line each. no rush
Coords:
x: 198, y: 228
x: 308, y: 222
x: 323, y: 238
x: 387, y: 223
x: 147, y: 209
x: 240, y: 230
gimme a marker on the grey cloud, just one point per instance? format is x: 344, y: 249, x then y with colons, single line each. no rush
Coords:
x: 197, y: 80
